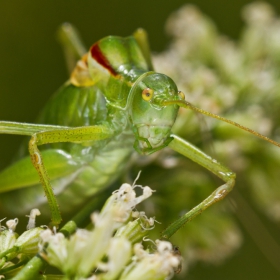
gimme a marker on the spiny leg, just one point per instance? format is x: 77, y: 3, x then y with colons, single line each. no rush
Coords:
x: 185, y: 148
x: 77, y: 134
x: 37, y: 162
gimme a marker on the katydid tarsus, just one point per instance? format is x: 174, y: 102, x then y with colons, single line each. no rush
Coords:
x: 113, y: 103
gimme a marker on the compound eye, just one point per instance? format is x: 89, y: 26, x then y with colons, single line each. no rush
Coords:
x: 147, y: 94
x: 181, y: 95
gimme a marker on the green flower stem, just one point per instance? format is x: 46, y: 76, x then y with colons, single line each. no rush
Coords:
x: 69, y: 228
x: 14, y: 249
x: 32, y: 269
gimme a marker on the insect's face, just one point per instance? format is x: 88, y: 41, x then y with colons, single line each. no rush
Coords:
x: 152, y: 122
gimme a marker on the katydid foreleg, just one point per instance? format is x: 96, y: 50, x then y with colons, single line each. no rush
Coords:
x: 185, y: 148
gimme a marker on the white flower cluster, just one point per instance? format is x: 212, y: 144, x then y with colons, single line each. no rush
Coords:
x: 106, y: 252
x: 15, y: 249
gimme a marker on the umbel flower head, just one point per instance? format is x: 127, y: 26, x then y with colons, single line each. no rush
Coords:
x: 110, y: 251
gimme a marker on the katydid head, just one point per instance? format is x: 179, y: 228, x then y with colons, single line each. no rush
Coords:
x: 153, y: 105
x: 152, y: 121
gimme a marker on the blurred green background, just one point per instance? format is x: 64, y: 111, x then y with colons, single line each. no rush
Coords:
x: 32, y: 67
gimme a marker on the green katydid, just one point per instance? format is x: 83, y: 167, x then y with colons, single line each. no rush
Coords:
x: 113, y: 103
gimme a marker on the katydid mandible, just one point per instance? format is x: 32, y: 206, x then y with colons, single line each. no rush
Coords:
x: 114, y: 102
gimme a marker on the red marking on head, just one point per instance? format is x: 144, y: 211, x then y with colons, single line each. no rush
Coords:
x: 97, y: 54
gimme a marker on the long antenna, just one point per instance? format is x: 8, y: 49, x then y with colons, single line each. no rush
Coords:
x: 188, y: 105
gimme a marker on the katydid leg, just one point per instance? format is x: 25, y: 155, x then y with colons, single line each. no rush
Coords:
x: 21, y: 173
x: 76, y: 134
x: 141, y: 37
x: 18, y: 128
x: 43, y: 134
x: 71, y: 44
x: 185, y: 148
